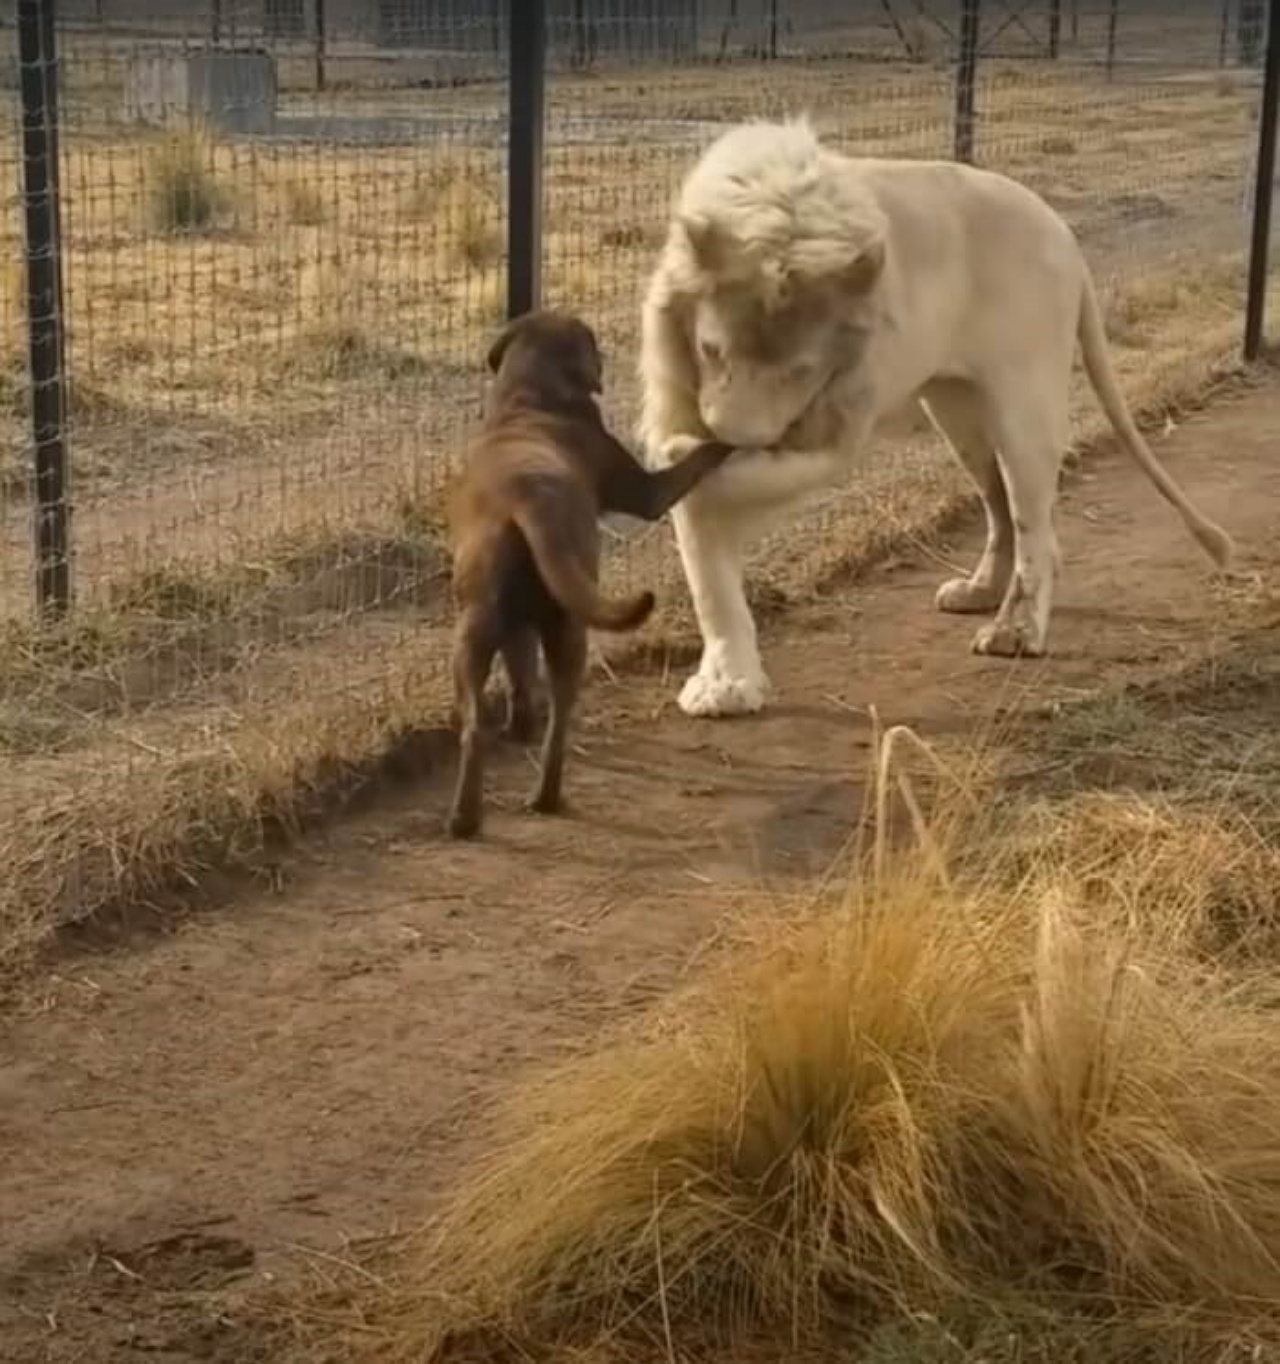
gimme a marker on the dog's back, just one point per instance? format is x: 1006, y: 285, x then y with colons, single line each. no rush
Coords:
x: 523, y: 522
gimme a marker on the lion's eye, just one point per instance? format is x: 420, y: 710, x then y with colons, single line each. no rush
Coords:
x: 712, y: 353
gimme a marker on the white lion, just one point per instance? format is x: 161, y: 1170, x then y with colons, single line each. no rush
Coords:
x: 801, y: 298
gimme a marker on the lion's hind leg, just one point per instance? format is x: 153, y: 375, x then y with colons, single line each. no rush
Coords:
x: 1031, y: 419
x: 956, y: 409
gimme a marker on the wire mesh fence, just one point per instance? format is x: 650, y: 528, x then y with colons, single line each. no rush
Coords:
x: 283, y: 250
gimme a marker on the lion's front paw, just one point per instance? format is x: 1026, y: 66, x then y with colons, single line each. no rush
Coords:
x: 719, y: 694
x: 1009, y: 639
x: 965, y: 597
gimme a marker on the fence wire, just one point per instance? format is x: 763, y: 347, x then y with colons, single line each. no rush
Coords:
x: 283, y: 254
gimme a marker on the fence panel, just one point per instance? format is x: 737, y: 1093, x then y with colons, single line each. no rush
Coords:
x: 284, y: 251
x: 282, y: 258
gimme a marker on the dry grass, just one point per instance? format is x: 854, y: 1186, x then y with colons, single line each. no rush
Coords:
x: 185, y: 192
x: 940, y: 1102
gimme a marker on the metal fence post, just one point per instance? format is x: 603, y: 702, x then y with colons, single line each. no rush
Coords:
x: 322, y: 39
x: 37, y: 58
x: 1263, y: 183
x: 1055, y: 28
x: 524, y: 155
x: 1113, y: 23
x: 966, y: 79
x: 1249, y: 21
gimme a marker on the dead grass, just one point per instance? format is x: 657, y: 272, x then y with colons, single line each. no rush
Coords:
x: 884, y: 1122
x: 305, y: 204
x: 186, y: 193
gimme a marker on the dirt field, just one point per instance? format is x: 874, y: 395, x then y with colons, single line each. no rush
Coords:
x: 191, y: 1103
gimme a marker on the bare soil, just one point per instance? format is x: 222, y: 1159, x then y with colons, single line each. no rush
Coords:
x: 195, y: 1101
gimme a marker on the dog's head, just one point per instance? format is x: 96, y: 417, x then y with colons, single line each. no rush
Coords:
x: 552, y: 354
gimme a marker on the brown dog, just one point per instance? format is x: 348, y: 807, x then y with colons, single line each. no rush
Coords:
x: 526, y: 544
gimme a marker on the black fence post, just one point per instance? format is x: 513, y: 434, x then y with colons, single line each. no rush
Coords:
x: 37, y: 59
x: 322, y: 42
x: 1249, y: 21
x: 1113, y: 23
x: 524, y: 155
x: 1055, y: 28
x: 966, y: 79
x: 1263, y: 183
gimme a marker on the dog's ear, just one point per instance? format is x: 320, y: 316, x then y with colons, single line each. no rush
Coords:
x: 501, y: 343
x: 588, y: 361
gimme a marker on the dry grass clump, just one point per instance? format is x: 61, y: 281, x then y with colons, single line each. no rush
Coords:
x: 348, y: 333
x: 1120, y: 852
x: 922, y: 1099
x: 470, y: 223
x: 185, y: 193
x: 304, y: 204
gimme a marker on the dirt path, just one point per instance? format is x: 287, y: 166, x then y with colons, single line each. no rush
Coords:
x: 182, y: 1109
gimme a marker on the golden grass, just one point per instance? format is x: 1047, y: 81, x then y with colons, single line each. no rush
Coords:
x: 186, y: 194
x: 939, y: 1094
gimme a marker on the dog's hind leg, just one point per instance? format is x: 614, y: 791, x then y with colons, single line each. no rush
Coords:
x: 564, y: 642
x: 520, y: 654
x: 473, y: 650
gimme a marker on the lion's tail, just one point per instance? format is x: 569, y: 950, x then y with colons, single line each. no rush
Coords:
x: 1097, y: 362
x: 551, y: 545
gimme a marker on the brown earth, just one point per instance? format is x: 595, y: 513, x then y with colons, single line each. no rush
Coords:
x: 205, y: 1099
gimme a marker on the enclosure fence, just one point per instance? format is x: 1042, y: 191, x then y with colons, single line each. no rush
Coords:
x: 253, y: 256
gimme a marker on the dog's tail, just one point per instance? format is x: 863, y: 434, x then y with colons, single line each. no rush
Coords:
x: 567, y: 580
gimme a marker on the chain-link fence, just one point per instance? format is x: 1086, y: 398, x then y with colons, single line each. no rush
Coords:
x: 281, y: 247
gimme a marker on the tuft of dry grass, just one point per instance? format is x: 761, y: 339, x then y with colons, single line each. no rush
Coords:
x: 304, y: 204
x: 1058, y: 144
x: 460, y: 198
x: 345, y: 335
x: 185, y: 193
x: 930, y: 1096
x: 1119, y: 852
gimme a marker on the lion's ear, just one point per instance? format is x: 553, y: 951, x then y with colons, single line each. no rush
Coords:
x: 706, y: 240
x: 862, y: 273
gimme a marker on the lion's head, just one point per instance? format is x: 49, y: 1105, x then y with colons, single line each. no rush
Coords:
x: 765, y: 280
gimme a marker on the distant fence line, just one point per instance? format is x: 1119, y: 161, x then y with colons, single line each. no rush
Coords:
x: 530, y: 38
x: 582, y: 32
